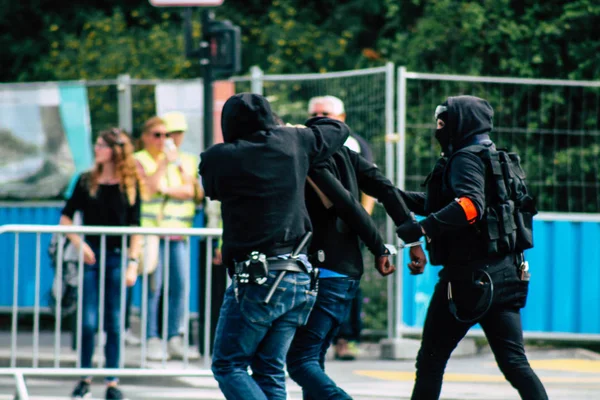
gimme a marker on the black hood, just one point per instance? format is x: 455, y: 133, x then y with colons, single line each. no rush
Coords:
x: 468, y: 116
x: 244, y: 114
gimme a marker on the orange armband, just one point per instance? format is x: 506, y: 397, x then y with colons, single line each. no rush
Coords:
x: 469, y: 208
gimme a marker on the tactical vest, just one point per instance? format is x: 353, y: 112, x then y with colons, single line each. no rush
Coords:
x: 507, y: 222
x: 508, y: 217
x: 162, y: 211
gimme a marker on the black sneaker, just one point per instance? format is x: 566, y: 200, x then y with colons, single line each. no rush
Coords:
x: 81, y: 391
x: 113, y: 393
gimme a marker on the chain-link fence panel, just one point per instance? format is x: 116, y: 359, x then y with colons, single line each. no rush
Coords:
x: 552, y: 125
x: 368, y: 104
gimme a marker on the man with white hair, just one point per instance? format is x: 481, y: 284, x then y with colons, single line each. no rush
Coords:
x: 333, y: 107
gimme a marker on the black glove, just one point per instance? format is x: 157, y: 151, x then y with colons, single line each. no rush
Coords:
x: 409, y: 231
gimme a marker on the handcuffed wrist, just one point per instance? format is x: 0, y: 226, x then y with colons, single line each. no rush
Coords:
x: 413, y: 244
x: 410, y: 231
x: 385, y: 253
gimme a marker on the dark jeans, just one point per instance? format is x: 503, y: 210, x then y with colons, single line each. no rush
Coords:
x: 178, y: 273
x: 502, y: 327
x: 306, y: 358
x: 250, y: 333
x: 352, y: 325
x: 112, y: 310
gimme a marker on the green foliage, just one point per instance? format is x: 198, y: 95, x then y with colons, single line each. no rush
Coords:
x: 555, y: 39
x: 500, y: 37
x: 108, y: 46
x: 295, y: 36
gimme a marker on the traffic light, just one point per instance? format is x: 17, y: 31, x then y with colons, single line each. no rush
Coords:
x: 225, y: 48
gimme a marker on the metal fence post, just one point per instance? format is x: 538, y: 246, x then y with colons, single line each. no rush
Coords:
x: 15, y: 306
x: 257, y: 79
x: 125, y: 103
x: 207, y: 304
x: 389, y: 171
x: 22, y: 393
x: 400, y: 177
x: 36, y: 301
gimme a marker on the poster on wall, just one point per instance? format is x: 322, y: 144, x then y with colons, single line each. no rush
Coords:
x: 45, y: 140
x: 187, y: 98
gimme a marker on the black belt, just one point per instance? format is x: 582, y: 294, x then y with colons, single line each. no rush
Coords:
x: 286, y: 265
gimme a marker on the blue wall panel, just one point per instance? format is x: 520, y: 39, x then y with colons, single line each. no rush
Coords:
x: 589, y: 278
x: 535, y: 314
x: 563, y: 272
x: 44, y: 215
x: 564, y: 293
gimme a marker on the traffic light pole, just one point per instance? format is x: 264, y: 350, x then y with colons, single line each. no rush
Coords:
x: 220, y: 55
x: 207, y: 78
x: 204, y: 54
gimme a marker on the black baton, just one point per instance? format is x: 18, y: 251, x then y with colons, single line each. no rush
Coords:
x: 294, y: 255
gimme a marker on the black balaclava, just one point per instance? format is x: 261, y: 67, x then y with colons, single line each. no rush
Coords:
x: 443, y: 135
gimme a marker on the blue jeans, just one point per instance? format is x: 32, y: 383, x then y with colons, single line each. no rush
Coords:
x: 178, y: 268
x: 112, y: 310
x: 250, y: 333
x: 306, y: 358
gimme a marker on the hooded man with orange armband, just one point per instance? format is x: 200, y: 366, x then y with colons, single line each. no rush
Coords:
x: 477, y: 223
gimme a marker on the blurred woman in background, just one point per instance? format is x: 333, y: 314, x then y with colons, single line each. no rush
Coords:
x: 169, y: 178
x: 108, y: 195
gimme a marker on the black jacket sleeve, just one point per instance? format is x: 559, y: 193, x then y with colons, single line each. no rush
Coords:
x: 415, y: 201
x: 375, y: 184
x: 348, y: 209
x: 208, y: 178
x: 466, y: 179
x: 323, y: 137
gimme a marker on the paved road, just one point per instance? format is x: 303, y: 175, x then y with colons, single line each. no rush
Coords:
x: 567, y: 375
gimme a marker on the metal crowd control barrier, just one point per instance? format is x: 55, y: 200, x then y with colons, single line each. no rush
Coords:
x: 19, y: 372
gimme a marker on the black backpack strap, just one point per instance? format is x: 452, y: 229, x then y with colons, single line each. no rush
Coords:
x: 498, y: 164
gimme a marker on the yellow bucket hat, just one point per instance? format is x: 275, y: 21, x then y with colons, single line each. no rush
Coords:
x: 175, y: 121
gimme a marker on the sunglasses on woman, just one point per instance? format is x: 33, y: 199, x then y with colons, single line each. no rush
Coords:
x: 158, y: 135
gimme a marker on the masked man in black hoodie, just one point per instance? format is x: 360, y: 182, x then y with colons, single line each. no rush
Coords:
x: 476, y: 285
x: 259, y: 175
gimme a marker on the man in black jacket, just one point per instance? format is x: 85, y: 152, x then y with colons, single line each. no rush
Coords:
x: 348, y: 335
x: 259, y: 175
x: 338, y: 222
x: 476, y: 286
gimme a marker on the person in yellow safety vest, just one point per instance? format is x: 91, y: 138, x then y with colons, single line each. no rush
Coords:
x: 169, y: 178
